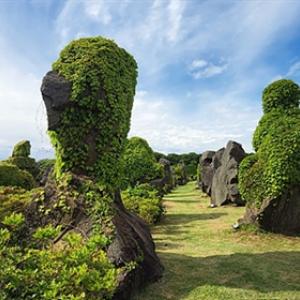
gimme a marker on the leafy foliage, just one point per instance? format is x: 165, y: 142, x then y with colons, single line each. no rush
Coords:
x: 16, y: 199
x: 276, y: 164
x: 282, y: 94
x: 145, y: 201
x: 20, y: 158
x: 103, y: 78
x: 180, y: 173
x: 138, y: 162
x: 11, y: 175
x: 190, y: 160
x: 77, y: 269
x: 22, y: 149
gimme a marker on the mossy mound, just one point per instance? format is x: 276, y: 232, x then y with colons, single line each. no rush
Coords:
x: 276, y: 164
x: 20, y: 158
x: 139, y: 163
x: 274, y: 170
x: 11, y: 175
x: 103, y: 79
x: 22, y: 148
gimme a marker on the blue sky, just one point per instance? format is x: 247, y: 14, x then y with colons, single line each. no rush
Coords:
x: 202, y: 64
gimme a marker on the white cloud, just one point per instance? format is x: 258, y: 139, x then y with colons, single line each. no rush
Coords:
x: 202, y: 69
x: 22, y: 111
x: 198, y: 63
x: 162, y: 122
x: 175, y: 11
x: 294, y: 69
x: 98, y: 10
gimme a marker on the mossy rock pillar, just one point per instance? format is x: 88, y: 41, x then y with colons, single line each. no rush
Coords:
x: 88, y: 96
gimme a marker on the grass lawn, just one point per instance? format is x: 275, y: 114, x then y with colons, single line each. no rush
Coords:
x: 205, y: 259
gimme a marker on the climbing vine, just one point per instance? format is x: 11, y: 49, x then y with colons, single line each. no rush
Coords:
x: 92, y: 131
x: 276, y: 164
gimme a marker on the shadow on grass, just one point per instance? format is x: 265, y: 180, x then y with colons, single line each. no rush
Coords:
x: 181, y: 219
x: 176, y: 224
x: 263, y: 272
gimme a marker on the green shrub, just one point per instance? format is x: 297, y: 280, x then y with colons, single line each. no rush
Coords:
x: 16, y: 199
x: 20, y: 158
x: 138, y: 162
x: 76, y: 269
x: 145, y: 201
x: 276, y: 164
x: 11, y: 175
x: 103, y: 78
x: 180, y: 173
x: 22, y: 149
x: 282, y: 93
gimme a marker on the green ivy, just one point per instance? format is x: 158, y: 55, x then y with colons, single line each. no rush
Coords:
x: 282, y: 93
x: 276, y: 164
x: 11, y: 175
x: 103, y: 78
x: 138, y: 162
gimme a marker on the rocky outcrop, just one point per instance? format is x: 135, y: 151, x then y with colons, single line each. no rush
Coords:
x: 131, y: 238
x: 279, y: 215
x: 164, y: 185
x: 219, y: 174
x: 21, y: 158
x: 207, y: 171
x: 56, y: 92
x: 225, y: 179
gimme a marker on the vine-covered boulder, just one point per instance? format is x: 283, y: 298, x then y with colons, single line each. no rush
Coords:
x: 166, y: 183
x: 11, y: 175
x: 180, y: 173
x: 207, y: 171
x: 21, y: 158
x: 225, y: 178
x: 270, y: 178
x: 88, y: 96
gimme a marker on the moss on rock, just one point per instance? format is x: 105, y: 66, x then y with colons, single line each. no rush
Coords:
x: 93, y: 128
x: 276, y: 164
x: 11, y: 175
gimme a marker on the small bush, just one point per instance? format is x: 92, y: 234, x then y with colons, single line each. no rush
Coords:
x: 138, y: 162
x: 11, y: 175
x: 145, y: 201
x: 77, y: 269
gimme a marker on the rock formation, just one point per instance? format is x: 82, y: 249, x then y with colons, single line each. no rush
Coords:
x: 164, y: 185
x: 21, y: 158
x: 270, y: 178
x: 88, y: 121
x: 225, y: 179
x: 219, y: 174
x: 207, y: 171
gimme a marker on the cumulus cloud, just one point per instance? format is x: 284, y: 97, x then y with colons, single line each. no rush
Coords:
x: 168, y: 39
x: 22, y: 114
x: 294, y: 69
x: 202, y: 69
x: 162, y: 123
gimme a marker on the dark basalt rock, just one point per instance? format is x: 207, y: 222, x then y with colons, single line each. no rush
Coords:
x: 225, y: 178
x: 279, y: 215
x: 133, y: 242
x: 207, y: 171
x: 56, y: 92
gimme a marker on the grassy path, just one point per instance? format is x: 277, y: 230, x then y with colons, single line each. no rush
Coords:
x: 205, y: 259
